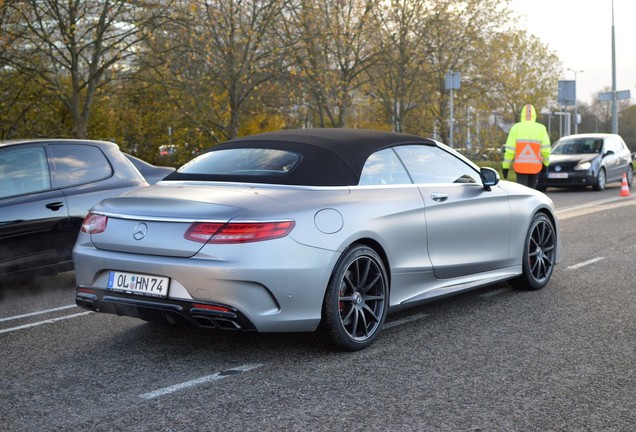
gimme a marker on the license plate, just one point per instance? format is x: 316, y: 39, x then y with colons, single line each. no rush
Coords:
x: 156, y: 286
x: 558, y: 175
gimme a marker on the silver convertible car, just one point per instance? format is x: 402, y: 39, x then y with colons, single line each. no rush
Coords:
x: 321, y: 230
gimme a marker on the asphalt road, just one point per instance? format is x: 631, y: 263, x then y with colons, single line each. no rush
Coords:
x: 496, y: 359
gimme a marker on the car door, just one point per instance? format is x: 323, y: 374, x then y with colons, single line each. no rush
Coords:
x: 624, y: 156
x: 33, y: 215
x: 467, y: 225
x: 611, y: 160
x: 85, y: 176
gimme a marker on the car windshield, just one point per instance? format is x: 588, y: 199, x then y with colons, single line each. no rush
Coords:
x: 578, y: 146
x: 243, y: 161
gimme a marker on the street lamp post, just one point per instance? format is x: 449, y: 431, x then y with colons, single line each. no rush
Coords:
x: 576, y: 111
x: 614, y: 101
x: 614, y: 96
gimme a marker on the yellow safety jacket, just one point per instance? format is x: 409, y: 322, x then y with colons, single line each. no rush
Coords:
x: 528, y: 145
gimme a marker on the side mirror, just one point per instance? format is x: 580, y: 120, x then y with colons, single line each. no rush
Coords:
x: 489, y: 177
x: 608, y: 153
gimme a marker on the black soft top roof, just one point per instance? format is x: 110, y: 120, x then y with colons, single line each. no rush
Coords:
x: 330, y: 157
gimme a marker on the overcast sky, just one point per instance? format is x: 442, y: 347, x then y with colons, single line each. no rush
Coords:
x: 580, y: 32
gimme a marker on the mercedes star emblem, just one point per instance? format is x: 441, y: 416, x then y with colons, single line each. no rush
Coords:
x: 140, y: 231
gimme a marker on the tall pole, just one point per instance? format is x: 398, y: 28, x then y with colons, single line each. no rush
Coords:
x: 614, y: 101
x: 451, y: 82
x: 452, y: 118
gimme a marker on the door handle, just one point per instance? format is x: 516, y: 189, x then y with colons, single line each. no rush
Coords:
x: 439, y: 197
x: 55, y: 206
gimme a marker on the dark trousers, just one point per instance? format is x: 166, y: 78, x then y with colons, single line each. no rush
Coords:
x: 529, y: 180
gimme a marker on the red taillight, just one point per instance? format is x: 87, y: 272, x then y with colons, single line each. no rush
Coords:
x: 94, y: 224
x: 202, y: 231
x: 242, y: 232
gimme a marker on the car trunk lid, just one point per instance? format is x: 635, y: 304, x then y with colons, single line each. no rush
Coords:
x: 154, y: 220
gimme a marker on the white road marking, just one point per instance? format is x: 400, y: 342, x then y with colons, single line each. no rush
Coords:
x: 403, y: 321
x: 15, y: 317
x: 585, y: 263
x: 49, y: 321
x: 205, y: 379
x: 593, y: 207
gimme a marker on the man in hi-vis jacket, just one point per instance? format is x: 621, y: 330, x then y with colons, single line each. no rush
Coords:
x: 527, y: 148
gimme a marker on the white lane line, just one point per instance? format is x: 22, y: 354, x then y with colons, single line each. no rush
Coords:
x: 594, y: 207
x: 585, y: 263
x: 15, y: 317
x: 404, y: 321
x: 12, y: 329
x: 590, y: 204
x: 205, y: 379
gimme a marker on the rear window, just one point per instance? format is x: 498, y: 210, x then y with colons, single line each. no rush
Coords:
x: 243, y: 162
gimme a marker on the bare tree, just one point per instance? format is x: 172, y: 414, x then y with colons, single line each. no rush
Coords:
x: 454, y: 38
x: 74, y: 47
x: 401, y: 68
x: 223, y: 53
x: 520, y: 70
x: 600, y: 113
x: 333, y: 52
x: 422, y: 40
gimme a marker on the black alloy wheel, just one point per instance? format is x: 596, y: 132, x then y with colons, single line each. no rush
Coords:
x: 539, y: 254
x: 355, y: 303
x: 601, y: 180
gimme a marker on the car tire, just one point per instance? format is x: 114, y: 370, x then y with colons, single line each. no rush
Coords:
x: 356, y: 300
x: 601, y: 180
x: 630, y: 175
x: 539, y: 254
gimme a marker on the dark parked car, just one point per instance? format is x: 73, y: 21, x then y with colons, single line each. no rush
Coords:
x: 587, y: 160
x: 152, y: 173
x: 46, y: 190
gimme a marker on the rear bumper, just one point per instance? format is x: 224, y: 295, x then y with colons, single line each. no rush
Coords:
x: 169, y: 311
x: 265, y: 290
